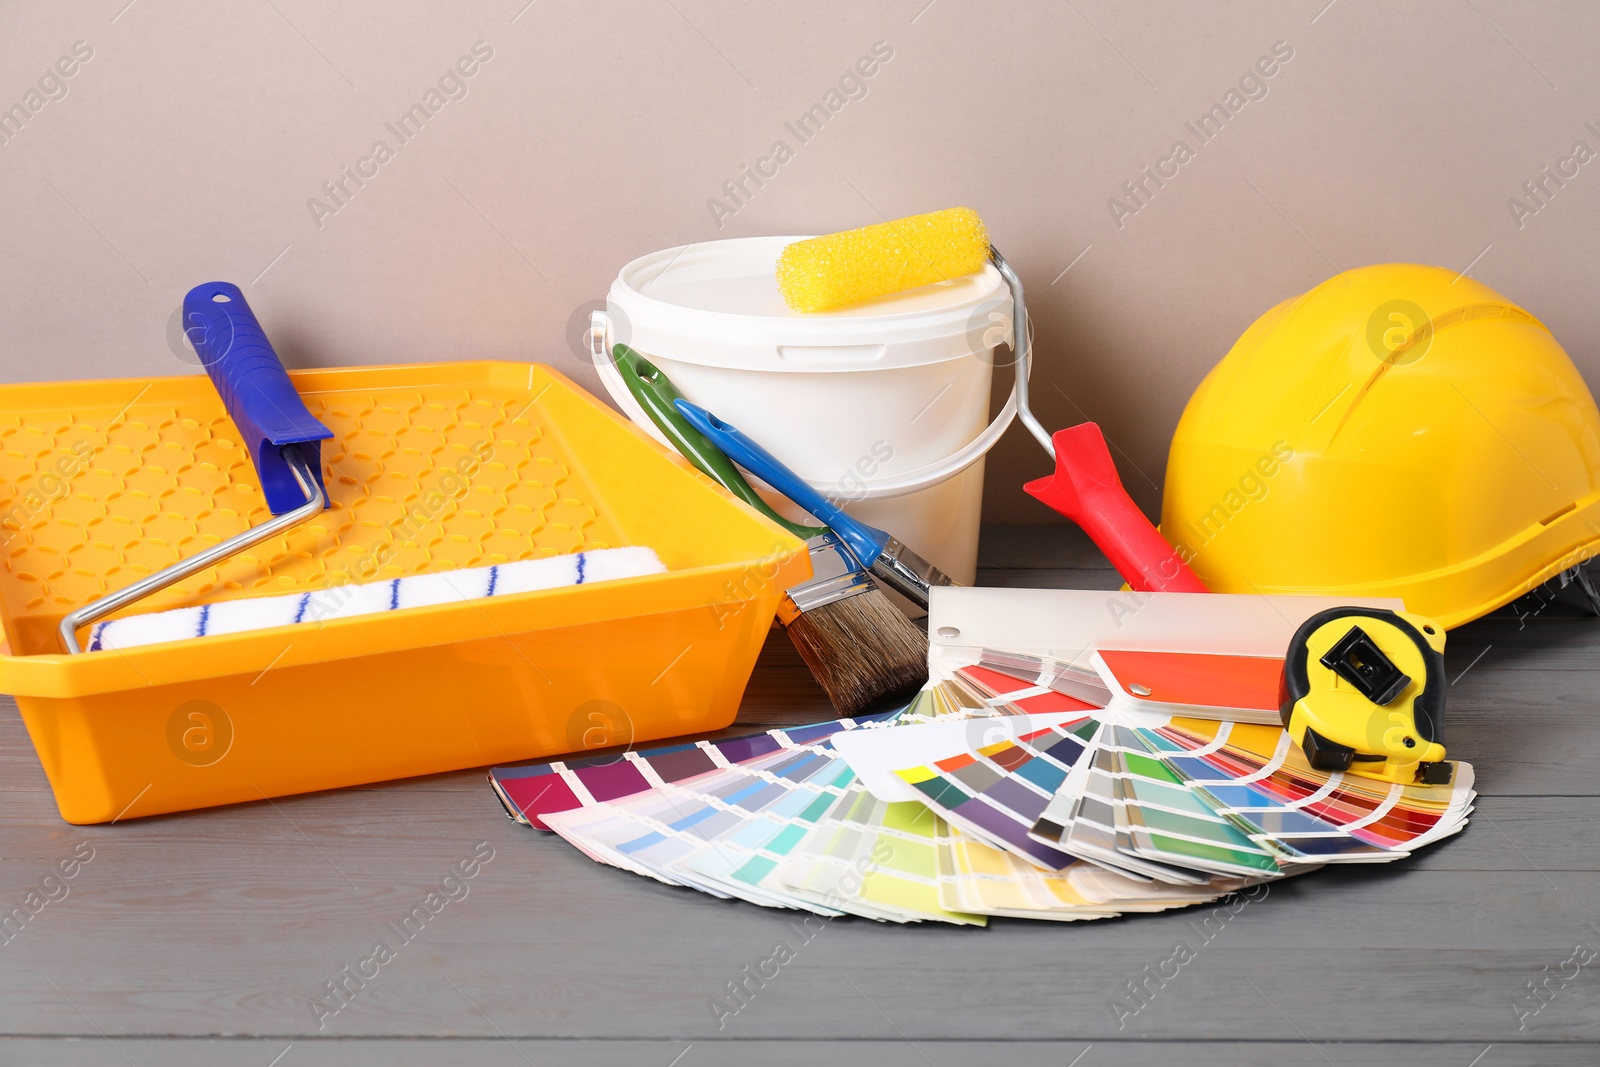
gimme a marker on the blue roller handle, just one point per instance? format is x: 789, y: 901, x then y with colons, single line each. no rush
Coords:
x: 867, y: 542
x: 256, y: 390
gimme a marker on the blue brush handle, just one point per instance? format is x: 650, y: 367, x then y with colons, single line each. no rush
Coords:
x: 865, y: 541
x: 256, y: 390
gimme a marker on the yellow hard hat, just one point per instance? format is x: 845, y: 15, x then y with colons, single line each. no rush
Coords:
x: 1398, y: 431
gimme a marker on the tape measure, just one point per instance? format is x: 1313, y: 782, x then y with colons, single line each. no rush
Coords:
x: 1363, y: 692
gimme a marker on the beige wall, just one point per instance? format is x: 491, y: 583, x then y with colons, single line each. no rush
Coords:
x: 187, y: 147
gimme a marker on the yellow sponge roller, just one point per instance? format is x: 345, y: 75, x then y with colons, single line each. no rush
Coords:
x: 840, y: 269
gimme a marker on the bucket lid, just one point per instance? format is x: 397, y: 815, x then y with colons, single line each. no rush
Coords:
x: 717, y: 304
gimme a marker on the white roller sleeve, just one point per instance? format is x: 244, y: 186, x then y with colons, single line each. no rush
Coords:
x: 346, y: 601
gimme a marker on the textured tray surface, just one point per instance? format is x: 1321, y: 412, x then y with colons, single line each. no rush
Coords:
x: 98, y: 494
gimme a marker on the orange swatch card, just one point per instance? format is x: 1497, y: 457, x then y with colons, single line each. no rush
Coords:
x: 1196, y: 680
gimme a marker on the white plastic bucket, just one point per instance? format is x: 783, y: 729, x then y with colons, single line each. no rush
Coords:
x: 883, y: 406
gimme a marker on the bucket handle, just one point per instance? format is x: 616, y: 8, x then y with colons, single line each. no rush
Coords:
x: 600, y: 342
x: 1016, y: 404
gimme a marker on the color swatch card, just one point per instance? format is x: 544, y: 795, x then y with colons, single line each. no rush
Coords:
x: 882, y: 855
x: 720, y: 832
x: 1066, y: 625
x: 997, y: 790
x: 877, y: 755
x: 1082, y: 683
x: 1162, y: 829
x: 1033, y: 683
x: 530, y: 791
x: 974, y: 876
x: 1261, y: 781
x: 661, y: 833
x: 1199, y: 685
x: 784, y: 828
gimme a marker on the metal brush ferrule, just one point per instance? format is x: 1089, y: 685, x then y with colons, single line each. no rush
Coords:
x: 908, y: 573
x: 835, y: 574
x: 816, y: 594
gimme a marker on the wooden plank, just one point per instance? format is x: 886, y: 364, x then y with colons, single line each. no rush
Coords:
x: 1565, y: 642
x: 1526, y: 734
x: 892, y: 1051
x: 255, y: 907
x: 1050, y: 578
x: 1039, y: 547
x: 1042, y: 557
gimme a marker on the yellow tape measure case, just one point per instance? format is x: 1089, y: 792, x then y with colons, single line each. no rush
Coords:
x: 1363, y: 692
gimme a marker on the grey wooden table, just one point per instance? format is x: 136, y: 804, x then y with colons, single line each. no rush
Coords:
x: 204, y: 938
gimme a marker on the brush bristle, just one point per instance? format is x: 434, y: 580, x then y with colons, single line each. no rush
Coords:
x: 840, y: 269
x: 863, y: 651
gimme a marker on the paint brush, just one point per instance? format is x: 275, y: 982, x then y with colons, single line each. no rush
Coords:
x: 859, y: 647
x: 884, y: 555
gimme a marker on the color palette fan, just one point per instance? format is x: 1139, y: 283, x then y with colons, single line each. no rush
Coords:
x: 780, y: 820
x: 1004, y: 789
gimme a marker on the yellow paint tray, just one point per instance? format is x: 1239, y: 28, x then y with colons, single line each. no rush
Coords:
x: 431, y: 467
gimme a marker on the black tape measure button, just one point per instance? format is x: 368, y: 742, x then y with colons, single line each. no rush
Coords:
x: 1357, y: 659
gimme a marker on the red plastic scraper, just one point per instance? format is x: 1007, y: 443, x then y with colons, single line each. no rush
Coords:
x: 1086, y: 489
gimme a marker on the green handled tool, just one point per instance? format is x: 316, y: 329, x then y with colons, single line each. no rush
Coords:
x: 655, y: 393
x: 863, y: 652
